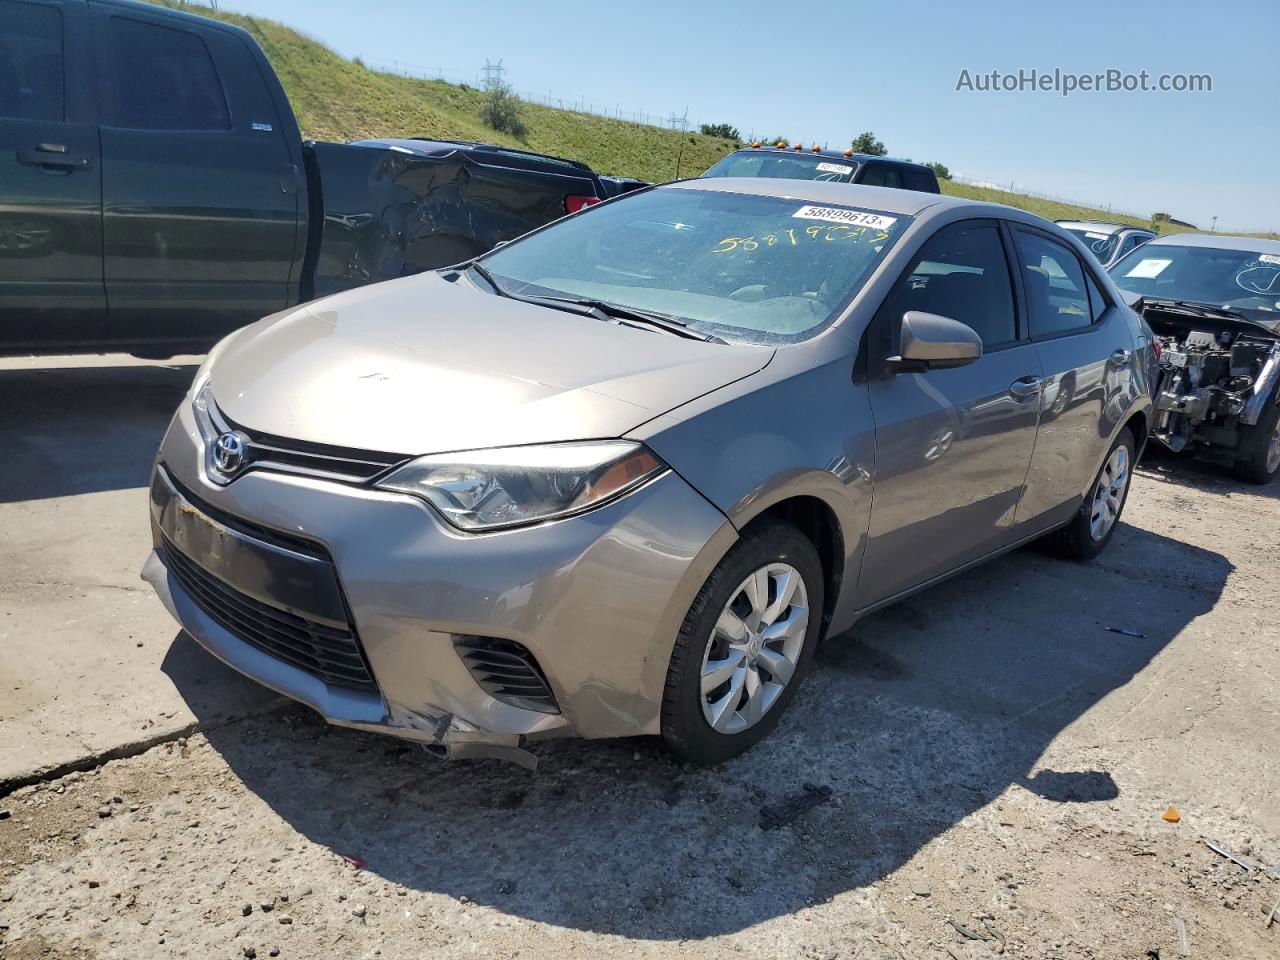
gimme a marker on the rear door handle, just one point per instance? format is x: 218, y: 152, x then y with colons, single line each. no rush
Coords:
x: 1120, y: 357
x: 1025, y: 387
x: 53, y: 155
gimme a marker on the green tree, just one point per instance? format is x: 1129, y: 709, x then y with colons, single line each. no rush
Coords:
x: 939, y: 170
x: 867, y: 143
x: 503, y: 110
x: 726, y: 131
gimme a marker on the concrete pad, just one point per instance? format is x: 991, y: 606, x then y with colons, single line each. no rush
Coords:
x: 91, y: 663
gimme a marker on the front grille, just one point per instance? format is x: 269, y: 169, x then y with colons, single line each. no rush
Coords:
x: 267, y: 451
x: 507, y: 671
x: 330, y: 653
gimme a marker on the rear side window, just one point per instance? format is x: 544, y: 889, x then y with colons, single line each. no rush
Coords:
x: 31, y: 84
x: 881, y: 175
x: 1097, y: 301
x: 165, y: 79
x: 918, y: 180
x: 961, y: 273
x: 1057, y: 299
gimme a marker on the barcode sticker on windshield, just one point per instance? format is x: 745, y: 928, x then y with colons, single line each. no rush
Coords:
x: 1098, y: 236
x: 853, y: 218
x: 835, y: 168
x: 1269, y: 258
x: 1148, y: 268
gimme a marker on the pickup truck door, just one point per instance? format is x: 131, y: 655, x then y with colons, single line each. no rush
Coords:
x: 952, y: 446
x: 51, y: 290
x: 201, y: 188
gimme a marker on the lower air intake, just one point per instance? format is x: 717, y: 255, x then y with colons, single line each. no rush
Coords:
x: 507, y: 671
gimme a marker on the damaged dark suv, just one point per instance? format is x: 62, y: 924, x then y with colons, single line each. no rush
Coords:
x: 1213, y: 303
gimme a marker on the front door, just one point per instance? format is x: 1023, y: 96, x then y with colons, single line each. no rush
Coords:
x: 51, y: 291
x: 200, y: 191
x: 952, y: 446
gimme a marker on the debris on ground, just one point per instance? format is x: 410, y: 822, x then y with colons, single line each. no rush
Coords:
x: 780, y: 814
x: 967, y: 933
x: 921, y: 889
x: 1271, y: 917
x: 1127, y: 633
x: 1223, y: 851
x: 1184, y: 945
x: 353, y: 860
x: 1171, y: 815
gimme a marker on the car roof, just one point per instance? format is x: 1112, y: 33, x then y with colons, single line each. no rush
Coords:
x: 829, y: 154
x: 889, y: 199
x: 1219, y: 241
x: 1100, y: 226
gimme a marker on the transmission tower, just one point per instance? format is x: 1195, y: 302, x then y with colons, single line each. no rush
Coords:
x: 492, y: 74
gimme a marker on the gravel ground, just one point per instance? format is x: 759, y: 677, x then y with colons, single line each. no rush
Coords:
x: 999, y: 765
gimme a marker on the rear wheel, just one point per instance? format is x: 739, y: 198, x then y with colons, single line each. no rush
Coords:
x: 1090, y: 530
x: 1262, y: 448
x: 744, y: 646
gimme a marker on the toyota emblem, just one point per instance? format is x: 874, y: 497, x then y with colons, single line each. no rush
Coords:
x: 229, y: 452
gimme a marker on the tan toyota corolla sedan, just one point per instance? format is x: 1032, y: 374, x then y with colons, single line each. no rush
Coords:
x: 620, y: 476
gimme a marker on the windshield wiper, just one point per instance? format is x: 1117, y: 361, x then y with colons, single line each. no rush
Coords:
x: 662, y: 321
x: 1194, y: 309
x: 488, y: 278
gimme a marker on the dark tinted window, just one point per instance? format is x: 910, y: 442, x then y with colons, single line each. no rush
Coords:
x: 165, y: 79
x: 880, y: 175
x: 918, y: 180
x: 1057, y: 300
x: 960, y: 273
x: 30, y: 62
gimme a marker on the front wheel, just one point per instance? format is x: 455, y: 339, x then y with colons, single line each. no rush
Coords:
x: 1262, y: 447
x: 744, y: 646
x: 1091, y: 528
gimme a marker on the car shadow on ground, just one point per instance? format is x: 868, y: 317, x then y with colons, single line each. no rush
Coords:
x: 83, y: 429
x: 924, y: 713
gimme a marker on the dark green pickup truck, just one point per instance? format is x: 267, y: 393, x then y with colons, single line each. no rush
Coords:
x: 155, y: 192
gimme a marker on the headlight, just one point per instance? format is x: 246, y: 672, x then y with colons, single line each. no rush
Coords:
x: 509, y: 486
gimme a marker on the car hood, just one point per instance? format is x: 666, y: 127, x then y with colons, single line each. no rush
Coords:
x: 425, y: 365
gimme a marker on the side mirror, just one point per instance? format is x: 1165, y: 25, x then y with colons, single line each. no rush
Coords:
x: 932, y: 342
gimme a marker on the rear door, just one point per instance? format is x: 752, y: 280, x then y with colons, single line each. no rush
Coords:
x: 201, y: 191
x: 51, y: 290
x: 952, y: 446
x: 1087, y: 350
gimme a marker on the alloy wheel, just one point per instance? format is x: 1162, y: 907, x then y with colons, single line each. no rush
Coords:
x: 1108, y: 495
x: 754, y: 648
x: 1273, y: 449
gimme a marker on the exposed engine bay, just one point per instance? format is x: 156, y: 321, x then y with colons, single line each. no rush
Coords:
x: 1219, y: 371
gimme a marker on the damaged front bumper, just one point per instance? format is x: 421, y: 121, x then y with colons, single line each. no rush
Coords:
x: 596, y: 600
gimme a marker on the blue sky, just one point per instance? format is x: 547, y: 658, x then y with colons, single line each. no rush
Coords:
x: 826, y: 72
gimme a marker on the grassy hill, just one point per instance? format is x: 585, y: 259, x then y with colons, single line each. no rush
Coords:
x: 338, y: 99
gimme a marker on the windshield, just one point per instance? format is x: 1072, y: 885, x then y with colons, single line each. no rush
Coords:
x: 1239, y: 279
x: 784, y: 166
x: 1101, y: 245
x: 747, y: 268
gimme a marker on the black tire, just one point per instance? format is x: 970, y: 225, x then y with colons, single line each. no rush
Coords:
x: 1252, y: 467
x: 1075, y: 541
x: 684, y: 727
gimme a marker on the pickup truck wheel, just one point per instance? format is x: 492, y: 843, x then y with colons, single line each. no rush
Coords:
x: 1091, y: 529
x: 744, y: 646
x: 1261, y: 448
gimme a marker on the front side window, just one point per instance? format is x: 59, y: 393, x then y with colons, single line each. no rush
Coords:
x: 31, y: 71
x: 961, y: 273
x: 776, y: 165
x: 742, y: 267
x: 165, y: 79
x: 1057, y: 299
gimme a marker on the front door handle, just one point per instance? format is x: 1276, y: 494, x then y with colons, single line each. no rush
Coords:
x: 53, y: 155
x: 1025, y: 387
x: 1120, y: 357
